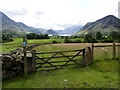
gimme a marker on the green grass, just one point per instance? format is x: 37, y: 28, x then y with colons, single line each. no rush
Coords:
x: 20, y: 41
x: 45, y: 40
x: 101, y: 74
x: 81, y: 39
x: 8, y: 48
x: 15, y: 41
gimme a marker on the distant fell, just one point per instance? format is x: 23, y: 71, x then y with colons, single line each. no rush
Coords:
x: 104, y: 25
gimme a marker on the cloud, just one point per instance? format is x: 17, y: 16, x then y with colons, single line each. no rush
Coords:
x: 58, y: 14
x: 39, y: 12
x: 119, y: 9
x: 13, y: 13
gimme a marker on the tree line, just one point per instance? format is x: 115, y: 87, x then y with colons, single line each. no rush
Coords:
x: 88, y: 38
x: 37, y: 36
x: 5, y: 38
x: 112, y: 37
x: 98, y: 37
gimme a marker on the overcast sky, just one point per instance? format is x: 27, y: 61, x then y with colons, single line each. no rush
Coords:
x: 58, y: 14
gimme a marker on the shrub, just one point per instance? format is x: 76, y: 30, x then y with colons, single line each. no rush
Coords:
x: 37, y: 36
x: 73, y: 41
x: 66, y: 40
x: 54, y: 41
x: 76, y: 41
x: 98, y: 36
x: 6, y: 38
x: 91, y: 40
x: 108, y: 41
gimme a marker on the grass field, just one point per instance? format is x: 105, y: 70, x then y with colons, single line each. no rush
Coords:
x: 103, y: 73
x: 9, y: 46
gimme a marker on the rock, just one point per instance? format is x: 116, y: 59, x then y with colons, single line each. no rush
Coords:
x: 11, y: 66
x: 65, y: 80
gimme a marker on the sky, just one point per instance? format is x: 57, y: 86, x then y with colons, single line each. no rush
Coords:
x: 58, y: 14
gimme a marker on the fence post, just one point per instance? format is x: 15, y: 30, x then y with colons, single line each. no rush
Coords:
x: 92, y: 56
x: 114, y: 51
x: 88, y: 56
x: 118, y: 50
x: 84, y: 57
x: 33, y: 61
x: 25, y: 57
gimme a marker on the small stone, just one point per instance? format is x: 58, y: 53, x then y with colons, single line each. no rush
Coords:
x: 65, y: 80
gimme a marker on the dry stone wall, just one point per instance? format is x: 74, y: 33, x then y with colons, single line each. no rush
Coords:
x: 12, y: 63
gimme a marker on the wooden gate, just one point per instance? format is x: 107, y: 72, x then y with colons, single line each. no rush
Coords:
x: 46, y: 61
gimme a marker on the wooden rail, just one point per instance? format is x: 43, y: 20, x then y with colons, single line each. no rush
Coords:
x: 58, y: 51
x: 114, y: 49
x: 58, y: 56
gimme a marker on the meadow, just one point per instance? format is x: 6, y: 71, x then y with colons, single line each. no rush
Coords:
x: 103, y: 73
x: 18, y: 42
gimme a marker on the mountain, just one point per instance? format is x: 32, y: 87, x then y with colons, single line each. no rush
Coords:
x: 70, y: 30
x: 104, y: 25
x: 41, y: 30
x: 28, y: 29
x: 10, y: 26
x: 15, y: 28
x: 51, y: 32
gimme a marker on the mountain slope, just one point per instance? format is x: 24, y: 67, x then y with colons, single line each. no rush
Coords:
x: 8, y: 24
x: 104, y: 25
x: 51, y: 32
x: 15, y: 27
x: 29, y: 29
x: 70, y: 30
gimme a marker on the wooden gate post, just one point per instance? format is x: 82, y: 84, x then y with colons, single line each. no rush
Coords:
x: 83, y: 58
x: 33, y: 61
x: 88, y: 56
x: 92, y: 51
x: 25, y: 57
x: 114, y: 51
x: 118, y: 50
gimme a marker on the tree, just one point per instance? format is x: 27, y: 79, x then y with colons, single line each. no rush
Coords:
x: 6, y: 38
x: 37, y: 37
x: 98, y: 36
x: 46, y: 36
x: 66, y: 40
x: 31, y: 36
x: 89, y: 39
x: 114, y: 35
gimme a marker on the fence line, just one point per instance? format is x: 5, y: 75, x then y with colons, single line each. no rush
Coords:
x: 86, y: 54
x: 114, y: 49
